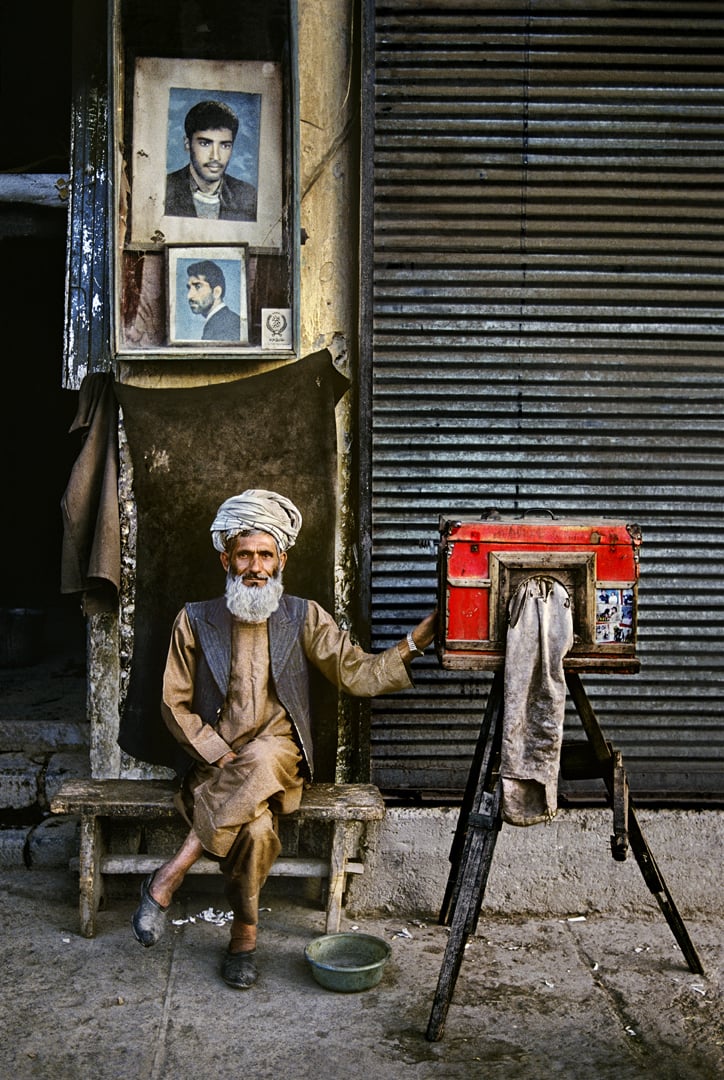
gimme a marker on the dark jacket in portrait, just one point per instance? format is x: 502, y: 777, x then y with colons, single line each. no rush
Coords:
x: 238, y: 199
x: 223, y: 325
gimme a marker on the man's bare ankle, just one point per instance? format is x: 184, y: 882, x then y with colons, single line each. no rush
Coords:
x: 243, y: 937
x: 162, y: 887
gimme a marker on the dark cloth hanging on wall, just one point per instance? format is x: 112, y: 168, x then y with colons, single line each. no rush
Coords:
x: 91, y: 548
x: 191, y: 449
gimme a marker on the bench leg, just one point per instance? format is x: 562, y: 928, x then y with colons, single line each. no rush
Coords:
x: 341, y: 845
x: 91, y: 879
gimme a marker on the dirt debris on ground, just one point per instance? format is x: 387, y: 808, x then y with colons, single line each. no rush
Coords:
x: 588, y: 996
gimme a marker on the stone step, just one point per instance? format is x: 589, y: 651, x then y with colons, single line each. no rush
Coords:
x: 29, y: 782
x: 29, y: 834
x: 43, y: 736
x: 43, y: 694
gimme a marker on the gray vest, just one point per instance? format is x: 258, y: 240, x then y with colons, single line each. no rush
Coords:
x: 211, y: 623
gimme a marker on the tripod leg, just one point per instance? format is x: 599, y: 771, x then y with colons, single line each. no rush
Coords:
x: 475, y: 862
x: 621, y: 799
x: 477, y: 831
x: 657, y: 885
x: 479, y: 773
x: 644, y: 857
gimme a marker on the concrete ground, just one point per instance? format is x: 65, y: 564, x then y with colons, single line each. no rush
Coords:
x: 592, y: 997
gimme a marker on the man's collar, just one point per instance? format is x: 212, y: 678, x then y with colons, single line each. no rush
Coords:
x: 196, y: 187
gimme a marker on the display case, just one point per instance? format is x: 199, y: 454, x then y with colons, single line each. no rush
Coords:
x: 203, y: 201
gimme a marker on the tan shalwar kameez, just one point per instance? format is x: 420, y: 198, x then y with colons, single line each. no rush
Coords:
x: 231, y: 809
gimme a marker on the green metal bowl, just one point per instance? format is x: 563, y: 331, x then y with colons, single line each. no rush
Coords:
x: 347, y: 962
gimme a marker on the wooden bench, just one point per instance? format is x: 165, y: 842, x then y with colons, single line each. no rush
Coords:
x: 347, y: 807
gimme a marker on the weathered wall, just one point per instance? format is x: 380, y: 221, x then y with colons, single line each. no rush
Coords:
x: 564, y: 868
x: 329, y: 182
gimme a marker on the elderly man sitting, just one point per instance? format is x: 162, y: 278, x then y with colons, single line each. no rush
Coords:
x: 236, y: 697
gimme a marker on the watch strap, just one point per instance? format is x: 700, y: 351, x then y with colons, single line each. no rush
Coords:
x: 414, y: 651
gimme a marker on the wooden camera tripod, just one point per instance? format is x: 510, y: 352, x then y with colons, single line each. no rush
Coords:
x: 480, y: 821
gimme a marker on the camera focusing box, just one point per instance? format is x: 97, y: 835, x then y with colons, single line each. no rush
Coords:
x: 482, y: 563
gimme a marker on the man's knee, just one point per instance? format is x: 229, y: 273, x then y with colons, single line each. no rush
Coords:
x: 255, y: 849
x: 258, y: 833
x: 261, y: 829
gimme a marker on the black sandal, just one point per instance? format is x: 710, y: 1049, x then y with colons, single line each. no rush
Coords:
x: 149, y: 918
x: 239, y: 969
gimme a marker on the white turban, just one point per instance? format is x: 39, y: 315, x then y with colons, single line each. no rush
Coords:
x: 258, y: 511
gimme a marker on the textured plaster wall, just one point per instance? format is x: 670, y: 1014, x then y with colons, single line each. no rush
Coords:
x: 564, y: 868
x: 329, y: 175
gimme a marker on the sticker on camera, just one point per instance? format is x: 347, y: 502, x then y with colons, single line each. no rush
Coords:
x: 614, y: 615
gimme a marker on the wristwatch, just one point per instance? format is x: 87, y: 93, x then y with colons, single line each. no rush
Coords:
x: 414, y: 651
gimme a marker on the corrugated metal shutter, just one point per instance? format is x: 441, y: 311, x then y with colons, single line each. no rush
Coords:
x: 546, y: 293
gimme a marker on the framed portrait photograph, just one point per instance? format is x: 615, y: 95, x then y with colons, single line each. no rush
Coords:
x: 208, y: 305
x: 206, y: 165
x: 204, y: 156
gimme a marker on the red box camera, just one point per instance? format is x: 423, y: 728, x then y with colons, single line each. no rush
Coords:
x: 482, y: 562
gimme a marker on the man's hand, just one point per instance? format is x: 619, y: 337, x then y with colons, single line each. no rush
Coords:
x: 424, y: 633
x: 225, y: 759
x: 422, y: 636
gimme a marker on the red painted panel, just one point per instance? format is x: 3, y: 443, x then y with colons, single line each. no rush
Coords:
x: 599, y: 564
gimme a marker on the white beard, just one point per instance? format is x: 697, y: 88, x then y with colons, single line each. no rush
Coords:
x: 253, y: 603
